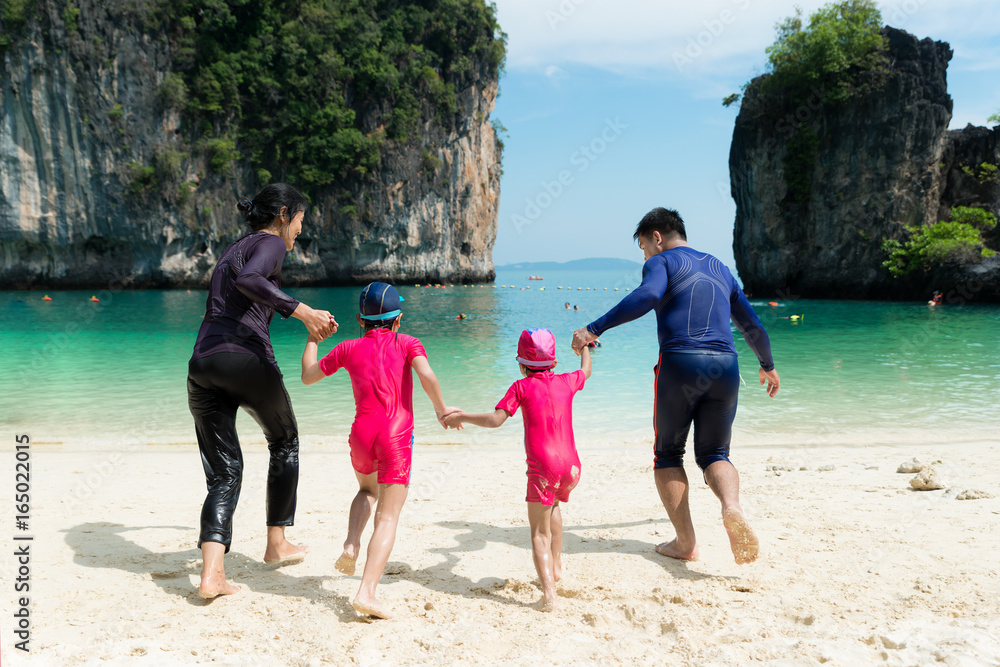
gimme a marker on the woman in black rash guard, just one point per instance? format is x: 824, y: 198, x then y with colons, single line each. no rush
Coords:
x: 233, y: 366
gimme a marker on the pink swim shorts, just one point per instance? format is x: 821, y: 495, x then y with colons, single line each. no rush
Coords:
x: 373, y: 448
x: 546, y: 491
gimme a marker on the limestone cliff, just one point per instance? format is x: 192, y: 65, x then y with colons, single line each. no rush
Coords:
x: 83, y: 112
x: 876, y: 163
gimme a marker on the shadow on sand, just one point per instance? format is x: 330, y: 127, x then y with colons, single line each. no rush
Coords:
x: 471, y: 537
x: 103, y: 545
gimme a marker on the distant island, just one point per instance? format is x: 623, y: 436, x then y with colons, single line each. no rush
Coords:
x: 588, y: 264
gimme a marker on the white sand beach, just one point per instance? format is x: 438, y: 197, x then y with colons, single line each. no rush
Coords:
x: 856, y: 567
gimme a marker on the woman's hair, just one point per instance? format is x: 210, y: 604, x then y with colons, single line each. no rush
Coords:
x: 261, y: 211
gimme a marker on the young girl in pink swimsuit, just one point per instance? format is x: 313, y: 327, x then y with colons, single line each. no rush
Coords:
x: 553, y: 463
x: 381, y: 437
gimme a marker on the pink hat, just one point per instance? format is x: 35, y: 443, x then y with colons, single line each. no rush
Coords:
x: 536, y: 348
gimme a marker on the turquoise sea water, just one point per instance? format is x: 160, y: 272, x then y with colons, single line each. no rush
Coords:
x: 852, y: 372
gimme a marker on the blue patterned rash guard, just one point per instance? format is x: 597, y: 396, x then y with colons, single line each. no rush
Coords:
x: 695, y: 297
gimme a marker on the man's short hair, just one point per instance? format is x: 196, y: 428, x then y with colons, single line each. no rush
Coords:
x: 664, y: 220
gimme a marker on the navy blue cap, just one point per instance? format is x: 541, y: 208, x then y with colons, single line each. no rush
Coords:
x: 379, y: 302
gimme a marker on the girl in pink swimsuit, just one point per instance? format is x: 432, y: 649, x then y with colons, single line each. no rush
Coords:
x: 381, y: 437
x: 553, y: 463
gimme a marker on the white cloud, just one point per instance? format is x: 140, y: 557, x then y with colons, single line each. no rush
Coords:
x: 555, y: 73
x: 637, y: 34
x: 710, y: 39
x: 977, y: 59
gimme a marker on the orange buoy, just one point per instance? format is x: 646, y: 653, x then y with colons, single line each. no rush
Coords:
x: 46, y: 298
x: 772, y: 303
x: 94, y: 298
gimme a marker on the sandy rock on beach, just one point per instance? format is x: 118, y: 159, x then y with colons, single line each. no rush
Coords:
x: 928, y: 480
x: 973, y: 494
x: 911, y: 466
x: 894, y: 640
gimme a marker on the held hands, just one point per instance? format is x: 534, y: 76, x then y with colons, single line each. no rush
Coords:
x: 582, y: 338
x: 452, y: 418
x: 772, y: 379
x: 320, y: 323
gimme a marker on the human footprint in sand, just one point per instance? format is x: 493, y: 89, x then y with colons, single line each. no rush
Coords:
x: 696, y: 379
x: 381, y: 439
x: 553, y: 462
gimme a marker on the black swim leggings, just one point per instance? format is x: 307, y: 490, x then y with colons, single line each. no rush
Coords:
x: 703, y: 388
x: 217, y: 385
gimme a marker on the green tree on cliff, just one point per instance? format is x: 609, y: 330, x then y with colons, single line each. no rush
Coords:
x: 995, y: 118
x: 840, y: 52
x: 13, y: 14
x: 312, y: 91
x: 957, y: 240
x: 841, y: 43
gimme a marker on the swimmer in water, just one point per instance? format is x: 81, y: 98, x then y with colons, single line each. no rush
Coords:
x: 381, y: 439
x: 553, y: 463
x: 937, y: 299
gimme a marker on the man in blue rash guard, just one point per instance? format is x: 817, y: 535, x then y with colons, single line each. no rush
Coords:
x: 696, y: 377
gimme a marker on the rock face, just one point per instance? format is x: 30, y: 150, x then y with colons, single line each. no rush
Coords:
x: 422, y: 223
x: 81, y: 109
x: 881, y: 161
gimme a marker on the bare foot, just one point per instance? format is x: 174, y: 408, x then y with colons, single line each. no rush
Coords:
x: 347, y: 561
x: 671, y: 550
x: 212, y: 588
x: 548, y: 605
x: 370, y: 608
x: 285, y: 552
x: 741, y: 536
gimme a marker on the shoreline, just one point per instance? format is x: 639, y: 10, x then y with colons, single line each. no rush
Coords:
x: 512, y: 433
x: 855, y: 567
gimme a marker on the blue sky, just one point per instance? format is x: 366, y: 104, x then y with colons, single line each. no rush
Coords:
x: 613, y: 107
